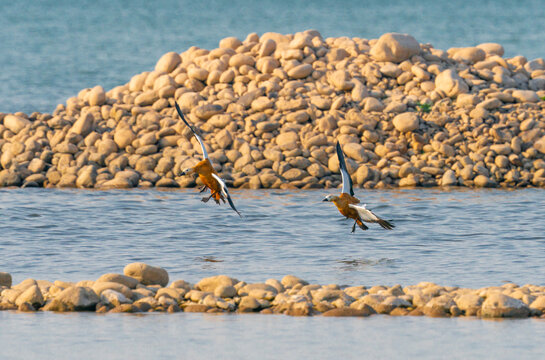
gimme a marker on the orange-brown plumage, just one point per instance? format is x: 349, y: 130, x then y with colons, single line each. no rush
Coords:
x: 205, y: 170
x: 342, y: 203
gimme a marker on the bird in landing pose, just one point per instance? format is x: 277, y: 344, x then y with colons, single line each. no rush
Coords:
x: 207, y: 173
x: 346, y: 202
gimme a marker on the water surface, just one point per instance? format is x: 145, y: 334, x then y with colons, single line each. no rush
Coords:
x: 205, y: 336
x: 469, y: 238
x: 464, y: 237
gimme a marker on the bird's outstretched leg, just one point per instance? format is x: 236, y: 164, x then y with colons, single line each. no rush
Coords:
x: 205, y: 199
x: 361, y: 224
x: 354, y: 226
x: 203, y: 188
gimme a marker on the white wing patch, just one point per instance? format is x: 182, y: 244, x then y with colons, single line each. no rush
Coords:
x: 366, y: 215
x: 222, y: 184
x: 346, y: 181
x: 204, y: 153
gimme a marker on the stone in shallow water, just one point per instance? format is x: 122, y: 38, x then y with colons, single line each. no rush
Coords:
x: 248, y: 304
x: 347, y: 311
x: 469, y: 303
x: 196, y: 308
x: 26, y: 307
x: 211, y: 283
x: 113, y: 297
x: 5, y: 279
x: 500, y: 305
x: 128, y: 281
x: 74, y: 298
x: 31, y: 295
x: 225, y: 291
x: 147, y: 274
x: 99, y: 287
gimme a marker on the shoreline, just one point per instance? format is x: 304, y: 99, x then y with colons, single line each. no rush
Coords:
x: 144, y: 288
x: 271, y: 107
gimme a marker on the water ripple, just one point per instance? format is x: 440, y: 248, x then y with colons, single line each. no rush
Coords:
x: 439, y: 236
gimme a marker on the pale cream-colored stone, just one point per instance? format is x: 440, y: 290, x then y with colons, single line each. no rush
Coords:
x: 395, y: 47
x: 211, y: 283
x: 15, y: 123
x: 451, y: 83
x: 406, y: 122
x: 128, y: 281
x: 32, y: 295
x: 168, y: 62
x: 500, y: 305
x: 147, y: 274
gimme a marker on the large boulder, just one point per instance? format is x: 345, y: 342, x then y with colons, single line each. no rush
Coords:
x: 500, y: 305
x: 83, y: 125
x: 469, y: 303
x: 74, y: 298
x: 168, y: 62
x: 395, y: 47
x: 97, y: 96
x: 468, y: 54
x: 147, y: 274
x: 523, y: 96
x: 406, y: 122
x: 210, y: 284
x: 128, y: 281
x: 32, y: 295
x: 287, y: 140
x: 492, y: 49
x: 451, y: 83
x: 15, y: 123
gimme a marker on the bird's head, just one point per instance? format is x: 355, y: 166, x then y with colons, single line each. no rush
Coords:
x: 188, y: 171
x: 330, y: 197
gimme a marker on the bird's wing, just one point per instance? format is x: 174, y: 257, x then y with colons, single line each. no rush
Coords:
x: 347, y: 181
x: 368, y: 216
x: 204, y: 153
x: 226, y: 193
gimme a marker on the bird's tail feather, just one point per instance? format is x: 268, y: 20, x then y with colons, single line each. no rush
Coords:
x: 385, y: 224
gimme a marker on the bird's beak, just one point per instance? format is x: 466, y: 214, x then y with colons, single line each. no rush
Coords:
x: 325, y: 199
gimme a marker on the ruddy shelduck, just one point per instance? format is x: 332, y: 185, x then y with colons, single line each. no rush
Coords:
x: 346, y: 202
x: 206, y: 172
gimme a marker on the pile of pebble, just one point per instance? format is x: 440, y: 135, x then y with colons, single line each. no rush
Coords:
x: 143, y: 288
x: 271, y: 108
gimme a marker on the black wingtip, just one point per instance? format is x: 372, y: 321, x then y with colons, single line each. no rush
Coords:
x: 182, y: 115
x: 232, y: 205
x: 342, y: 165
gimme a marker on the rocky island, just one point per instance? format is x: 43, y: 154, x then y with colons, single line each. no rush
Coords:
x: 271, y: 108
x: 143, y: 288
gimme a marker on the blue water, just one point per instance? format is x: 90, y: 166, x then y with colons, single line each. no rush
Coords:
x: 467, y: 238
x: 49, y: 50
x: 206, y: 336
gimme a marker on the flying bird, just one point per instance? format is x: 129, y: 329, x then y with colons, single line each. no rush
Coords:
x: 346, y: 202
x: 207, y: 173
